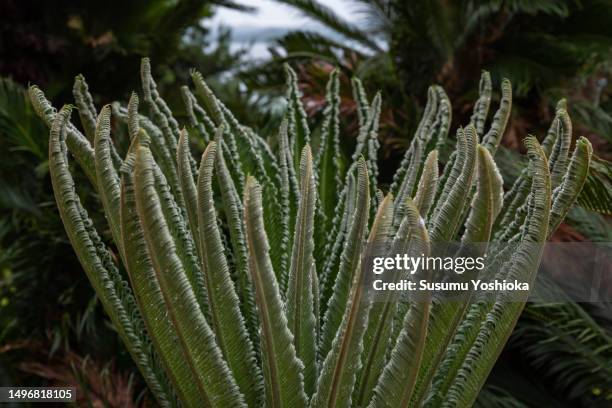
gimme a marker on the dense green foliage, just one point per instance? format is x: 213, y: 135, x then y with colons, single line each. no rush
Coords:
x: 549, y: 49
x: 244, y: 272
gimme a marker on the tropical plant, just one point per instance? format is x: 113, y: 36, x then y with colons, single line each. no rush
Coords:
x: 261, y: 301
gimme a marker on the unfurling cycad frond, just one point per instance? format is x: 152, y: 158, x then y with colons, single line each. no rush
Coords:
x: 97, y: 262
x: 248, y: 272
x: 227, y: 320
x: 395, y: 380
x: 210, y: 373
x: 86, y: 108
x: 597, y: 192
x: 298, y: 124
x: 283, y: 371
x: 300, y: 306
x: 487, y: 202
x: 351, y: 256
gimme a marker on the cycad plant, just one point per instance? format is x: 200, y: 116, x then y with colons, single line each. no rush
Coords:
x: 237, y: 282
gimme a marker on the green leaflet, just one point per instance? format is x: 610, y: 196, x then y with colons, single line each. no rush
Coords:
x: 340, y: 367
x: 408, y: 184
x: 299, y: 133
x: 146, y: 287
x: 316, y: 294
x: 488, y: 199
x: 367, y: 144
x: 449, y: 207
x: 218, y: 118
x: 492, y: 138
x: 226, y: 319
x: 410, y: 238
x: 367, y: 141
x: 232, y: 208
x: 133, y: 119
x: 77, y: 144
x: 212, y: 377
x: 398, y: 379
x: 441, y: 126
x: 558, y: 156
x: 399, y: 376
x: 108, y: 178
x: 427, y: 184
x: 361, y: 101
x: 188, y: 186
x: 332, y: 261
x: 409, y: 167
x: 481, y: 107
x: 113, y: 291
x: 299, y: 305
x: 485, y: 206
x: 597, y: 192
x: 290, y: 190
x: 161, y: 113
x: 158, y: 146
x: 204, y: 125
x: 328, y: 161
x: 349, y: 261
x: 84, y: 103
x: 283, y: 378
x: 556, y: 140
x: 571, y: 183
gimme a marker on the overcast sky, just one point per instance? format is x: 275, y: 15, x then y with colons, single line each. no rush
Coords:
x: 254, y: 31
x: 271, y: 14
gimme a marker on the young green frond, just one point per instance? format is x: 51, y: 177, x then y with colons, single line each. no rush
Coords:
x: 283, y: 371
x: 299, y: 305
